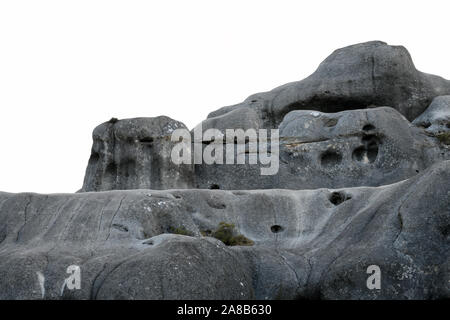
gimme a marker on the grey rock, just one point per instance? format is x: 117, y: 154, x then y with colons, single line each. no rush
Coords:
x: 358, y: 185
x: 364, y: 75
x: 365, y: 147
x: 134, y: 154
x: 352, y: 139
x: 436, y: 118
x: 308, y: 243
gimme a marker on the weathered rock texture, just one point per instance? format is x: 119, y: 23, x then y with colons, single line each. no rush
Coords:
x: 365, y: 147
x: 359, y: 76
x: 358, y: 185
x: 134, y: 154
x: 436, y: 118
x: 308, y: 244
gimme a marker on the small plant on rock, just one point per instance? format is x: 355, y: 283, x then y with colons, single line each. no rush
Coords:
x: 181, y: 231
x: 226, y: 233
x: 444, y: 137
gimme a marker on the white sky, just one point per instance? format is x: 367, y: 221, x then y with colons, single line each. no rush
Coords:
x: 67, y: 66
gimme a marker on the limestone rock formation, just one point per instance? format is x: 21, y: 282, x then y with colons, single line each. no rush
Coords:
x: 307, y: 243
x: 134, y: 154
x: 364, y: 147
x: 436, y: 118
x: 358, y: 185
x: 359, y: 76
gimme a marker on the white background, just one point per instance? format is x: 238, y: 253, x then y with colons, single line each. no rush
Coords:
x: 67, y: 66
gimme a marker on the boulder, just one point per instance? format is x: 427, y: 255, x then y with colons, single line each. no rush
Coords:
x: 135, y: 154
x: 364, y: 75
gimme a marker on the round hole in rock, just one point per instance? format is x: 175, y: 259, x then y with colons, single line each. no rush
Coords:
x: 368, y: 152
x: 337, y: 198
x: 276, y: 228
x: 368, y: 127
x: 330, y: 158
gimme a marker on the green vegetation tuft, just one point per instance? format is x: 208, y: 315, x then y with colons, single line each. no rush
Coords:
x: 444, y: 137
x: 226, y: 233
x: 180, y: 230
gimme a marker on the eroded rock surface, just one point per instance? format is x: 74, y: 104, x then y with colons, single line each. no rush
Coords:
x: 307, y: 244
x: 358, y: 76
x: 366, y: 147
x: 346, y: 125
x: 134, y: 154
x: 436, y: 118
x: 358, y: 185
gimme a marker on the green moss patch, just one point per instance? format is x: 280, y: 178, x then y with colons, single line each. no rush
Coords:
x: 444, y: 137
x: 226, y: 232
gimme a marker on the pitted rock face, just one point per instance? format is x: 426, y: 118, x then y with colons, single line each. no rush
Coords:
x: 307, y: 243
x: 335, y: 133
x: 135, y: 154
x: 358, y: 76
x: 366, y: 147
x: 332, y: 132
x: 436, y: 119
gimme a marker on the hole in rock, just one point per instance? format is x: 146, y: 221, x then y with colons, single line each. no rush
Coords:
x: 276, y: 228
x: 215, y: 204
x: 445, y: 230
x: 330, y: 158
x: 120, y: 227
x: 359, y: 154
x: 111, y: 169
x: 368, y: 152
x: 368, y: 127
x: 214, y: 186
x: 337, y: 198
x: 329, y: 122
x: 146, y: 140
x: 94, y: 156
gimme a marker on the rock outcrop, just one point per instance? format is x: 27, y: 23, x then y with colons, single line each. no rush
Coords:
x: 359, y: 76
x: 307, y: 243
x: 358, y: 185
x: 436, y: 118
x: 365, y: 147
x: 134, y: 154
